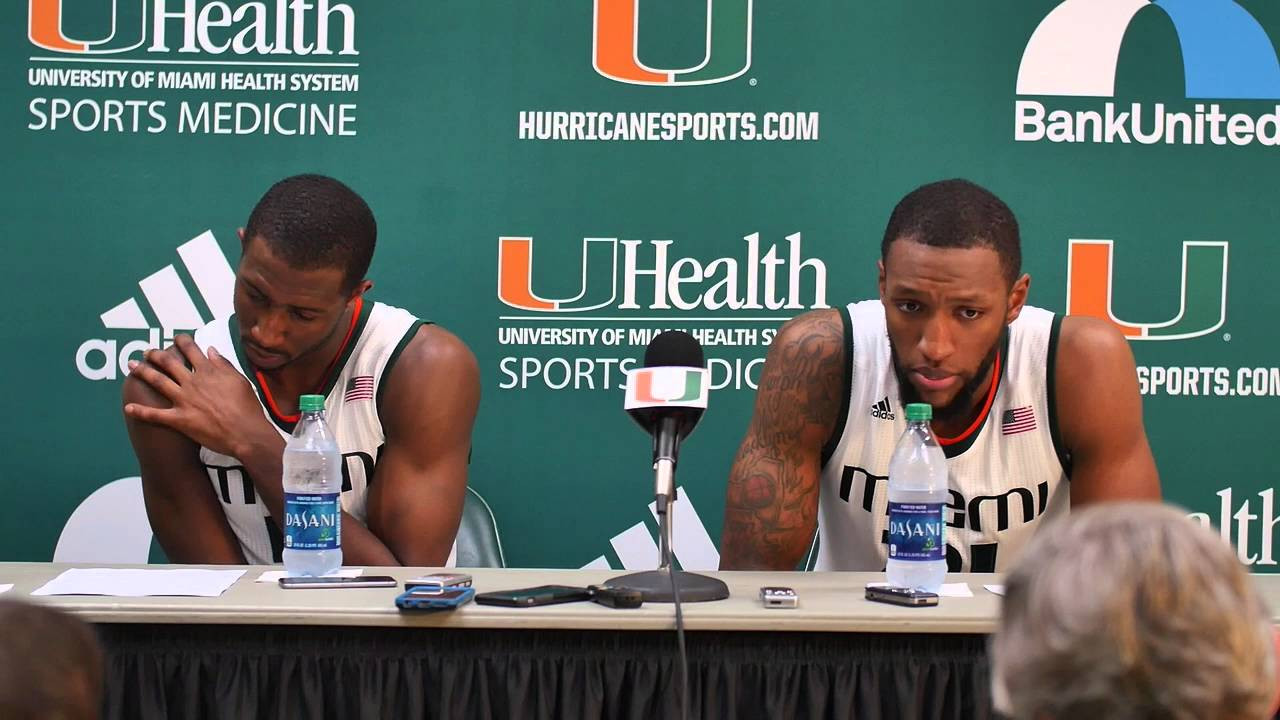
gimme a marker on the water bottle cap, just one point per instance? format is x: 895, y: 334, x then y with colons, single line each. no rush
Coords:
x: 310, y: 403
x: 919, y: 411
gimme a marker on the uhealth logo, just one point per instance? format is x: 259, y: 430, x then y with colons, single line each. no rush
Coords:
x: 769, y: 280
x: 616, y: 39
x: 171, y: 301
x: 1203, y: 305
x: 268, y: 27
x: 1074, y: 52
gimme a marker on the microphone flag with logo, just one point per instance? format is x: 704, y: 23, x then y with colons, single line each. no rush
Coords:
x: 669, y: 394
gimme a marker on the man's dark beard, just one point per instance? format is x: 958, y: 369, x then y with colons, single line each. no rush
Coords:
x: 960, y: 406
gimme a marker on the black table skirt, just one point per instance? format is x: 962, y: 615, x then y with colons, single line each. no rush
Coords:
x: 243, y: 671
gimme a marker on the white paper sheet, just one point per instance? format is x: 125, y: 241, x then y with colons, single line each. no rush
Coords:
x: 947, y: 589
x: 997, y: 589
x: 6, y: 588
x: 133, y: 582
x: 271, y: 576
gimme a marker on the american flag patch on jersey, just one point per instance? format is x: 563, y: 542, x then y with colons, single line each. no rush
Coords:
x: 1018, y: 420
x: 359, y: 388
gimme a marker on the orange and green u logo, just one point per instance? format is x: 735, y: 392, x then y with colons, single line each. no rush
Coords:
x: 125, y: 31
x: 645, y: 394
x: 515, y: 276
x: 1204, y: 290
x: 728, y: 48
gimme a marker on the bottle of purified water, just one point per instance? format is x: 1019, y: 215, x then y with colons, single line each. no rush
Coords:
x: 312, y: 494
x: 917, y: 495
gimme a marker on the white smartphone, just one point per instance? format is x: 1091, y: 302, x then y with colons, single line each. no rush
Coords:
x: 439, y: 581
x: 363, y: 581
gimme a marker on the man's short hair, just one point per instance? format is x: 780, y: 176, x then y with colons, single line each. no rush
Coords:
x: 50, y: 664
x: 314, y: 221
x: 957, y: 214
x: 1132, y: 610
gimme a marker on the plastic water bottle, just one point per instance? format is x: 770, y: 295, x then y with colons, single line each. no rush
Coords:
x: 312, y: 494
x: 917, y: 496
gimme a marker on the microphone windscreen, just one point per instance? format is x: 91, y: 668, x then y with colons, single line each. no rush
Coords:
x: 673, y: 348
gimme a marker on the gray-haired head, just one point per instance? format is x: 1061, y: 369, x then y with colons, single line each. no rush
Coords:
x: 1132, y: 610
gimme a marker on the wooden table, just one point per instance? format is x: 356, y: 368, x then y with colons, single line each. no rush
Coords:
x: 260, y: 651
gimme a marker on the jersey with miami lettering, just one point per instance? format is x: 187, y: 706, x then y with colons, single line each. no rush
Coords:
x: 1007, y: 472
x: 353, y: 392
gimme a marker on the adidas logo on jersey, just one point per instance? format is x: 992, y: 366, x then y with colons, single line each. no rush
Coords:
x: 173, y: 307
x: 882, y: 410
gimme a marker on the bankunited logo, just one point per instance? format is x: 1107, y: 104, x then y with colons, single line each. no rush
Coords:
x: 1203, y: 305
x: 1225, y: 52
x: 1226, y: 55
x: 616, y: 39
x: 171, y: 302
x: 275, y: 27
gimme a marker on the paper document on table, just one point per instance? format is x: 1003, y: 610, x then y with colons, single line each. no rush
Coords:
x: 271, y: 576
x: 132, y: 582
x: 947, y: 589
x: 997, y: 589
x: 6, y: 588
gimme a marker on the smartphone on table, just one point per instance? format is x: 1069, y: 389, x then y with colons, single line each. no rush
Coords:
x: 439, y: 581
x: 430, y: 599
x: 907, y: 597
x: 530, y: 597
x: 362, y: 581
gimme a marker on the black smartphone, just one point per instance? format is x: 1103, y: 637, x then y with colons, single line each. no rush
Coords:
x: 616, y: 597
x: 907, y: 597
x: 434, y: 599
x: 362, y: 581
x: 529, y: 597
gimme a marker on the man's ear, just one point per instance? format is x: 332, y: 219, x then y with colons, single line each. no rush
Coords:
x: 360, y: 289
x: 880, y: 277
x: 240, y: 234
x: 1018, y: 297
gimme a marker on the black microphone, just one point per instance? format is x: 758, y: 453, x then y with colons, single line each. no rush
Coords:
x: 670, y: 424
x: 667, y: 398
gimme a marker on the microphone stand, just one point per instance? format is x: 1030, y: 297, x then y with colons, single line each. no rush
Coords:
x: 656, y: 585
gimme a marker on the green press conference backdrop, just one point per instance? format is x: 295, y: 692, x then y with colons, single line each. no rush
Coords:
x: 557, y: 181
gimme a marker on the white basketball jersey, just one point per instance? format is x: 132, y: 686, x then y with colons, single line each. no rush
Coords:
x: 1006, y: 473
x: 352, y: 392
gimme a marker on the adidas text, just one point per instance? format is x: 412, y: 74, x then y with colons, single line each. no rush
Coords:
x: 98, y: 358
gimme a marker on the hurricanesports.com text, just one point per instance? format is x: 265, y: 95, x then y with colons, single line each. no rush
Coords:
x: 666, y: 126
x: 1209, y: 381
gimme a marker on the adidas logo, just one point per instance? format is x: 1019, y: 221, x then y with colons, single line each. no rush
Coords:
x: 173, y: 306
x: 637, y: 550
x: 882, y: 410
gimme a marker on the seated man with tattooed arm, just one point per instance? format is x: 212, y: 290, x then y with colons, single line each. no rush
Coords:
x: 1035, y: 412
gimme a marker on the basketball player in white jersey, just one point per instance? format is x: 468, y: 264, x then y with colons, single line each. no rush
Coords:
x: 1035, y: 412
x: 208, y: 418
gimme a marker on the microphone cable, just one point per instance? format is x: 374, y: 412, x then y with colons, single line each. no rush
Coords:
x: 684, y: 662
